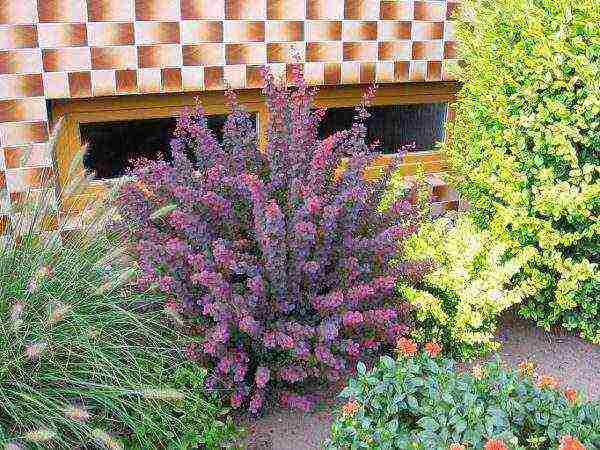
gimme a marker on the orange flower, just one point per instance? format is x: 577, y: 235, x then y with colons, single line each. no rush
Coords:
x: 526, y: 367
x: 406, y: 347
x: 350, y: 408
x: 457, y: 447
x: 571, y: 394
x: 433, y: 349
x: 570, y: 443
x: 547, y: 381
x: 495, y: 444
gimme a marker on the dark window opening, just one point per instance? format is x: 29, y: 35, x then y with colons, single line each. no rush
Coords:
x: 418, y: 126
x: 112, y: 145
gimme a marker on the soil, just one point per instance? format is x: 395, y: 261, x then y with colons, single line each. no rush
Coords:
x: 567, y: 357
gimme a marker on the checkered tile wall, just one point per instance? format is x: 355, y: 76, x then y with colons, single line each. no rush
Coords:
x: 86, y: 48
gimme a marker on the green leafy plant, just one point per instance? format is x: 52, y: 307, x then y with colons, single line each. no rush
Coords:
x: 458, y: 303
x: 525, y: 147
x: 85, y: 361
x: 421, y: 401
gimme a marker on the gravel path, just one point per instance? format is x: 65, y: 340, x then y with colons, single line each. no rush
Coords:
x: 571, y: 360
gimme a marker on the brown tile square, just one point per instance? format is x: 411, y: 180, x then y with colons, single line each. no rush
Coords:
x: 156, y: 33
x: 450, y: 50
x: 103, y: 83
x: 434, y: 70
x: 427, y: 31
x: 361, y: 9
x: 325, y: 9
x: 18, y: 36
x: 285, y: 31
x: 402, y: 70
x: 244, y: 31
x: 428, y: 50
x: 202, y: 9
x: 395, y: 51
x: 159, y: 56
x: 18, y: 86
x: 254, y: 77
x: 12, y: 134
x: 245, y: 54
x: 106, y: 34
x: 124, y: 57
x: 20, y: 61
x: 194, y: 31
x: 204, y: 55
x: 2, y: 183
x: 396, y: 10
x: 284, y: 52
x: 213, y: 78
x: 433, y: 11
x: 368, y: 72
x: 324, y: 51
x: 360, y: 51
x: 395, y: 30
x: 18, y: 12
x: 62, y: 11
x: 332, y: 73
x: 321, y: 30
x: 111, y: 10
x: 286, y: 9
x: 21, y: 180
x: 53, y: 35
x: 244, y: 9
x: 126, y: 81
x: 23, y: 110
x: 66, y: 59
x: 159, y: 10
x: 56, y: 85
x: 171, y: 80
x: 80, y: 84
x: 359, y: 31
x: 149, y: 80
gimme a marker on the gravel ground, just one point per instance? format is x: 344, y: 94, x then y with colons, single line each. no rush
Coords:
x: 570, y: 359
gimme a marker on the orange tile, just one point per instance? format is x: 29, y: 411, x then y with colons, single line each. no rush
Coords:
x: 194, y: 31
x: 23, y: 110
x: 280, y: 52
x: 159, y: 56
x: 20, y: 61
x: 213, y: 78
x: 332, y: 73
x: 427, y: 31
x: 171, y: 80
x: 244, y: 9
x: 245, y: 31
x: 324, y: 9
x: 395, y: 50
x: 105, y: 34
x: 360, y: 51
x: 285, y: 9
x: 66, y: 59
x: 2, y: 182
x: 245, y: 54
x: 18, y: 36
x: 401, y: 70
x: 434, y: 70
x: 433, y: 11
x: 80, y: 84
x: 159, y: 10
x: 103, y: 83
x: 361, y: 9
x: 324, y: 51
x: 322, y: 30
x: 157, y: 33
x: 285, y: 31
x: 124, y: 57
x: 254, y: 77
x: 111, y: 10
x: 427, y: 50
x: 126, y: 81
x: 202, y: 9
x: 62, y: 11
x: 204, y: 55
x: 62, y: 35
x: 396, y: 10
x: 18, y: 86
x: 395, y: 30
x: 359, y: 31
x: 18, y: 12
x: 27, y: 156
x: 450, y: 50
x: 367, y: 72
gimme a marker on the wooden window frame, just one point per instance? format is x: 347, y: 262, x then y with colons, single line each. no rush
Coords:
x: 107, y: 109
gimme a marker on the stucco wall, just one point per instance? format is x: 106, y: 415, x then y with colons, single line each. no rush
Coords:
x: 87, y: 48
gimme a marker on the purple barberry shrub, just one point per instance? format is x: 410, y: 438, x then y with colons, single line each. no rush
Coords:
x: 279, y: 262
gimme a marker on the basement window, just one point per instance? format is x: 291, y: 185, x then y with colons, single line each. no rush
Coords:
x: 418, y: 126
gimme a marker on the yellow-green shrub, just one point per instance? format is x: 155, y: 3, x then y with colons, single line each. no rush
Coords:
x: 460, y: 300
x: 525, y: 147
